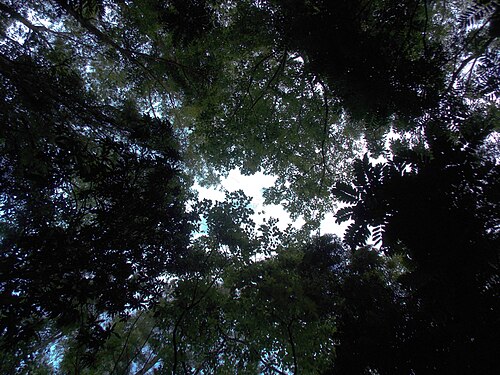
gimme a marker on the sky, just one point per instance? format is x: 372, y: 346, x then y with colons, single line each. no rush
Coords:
x: 253, y: 186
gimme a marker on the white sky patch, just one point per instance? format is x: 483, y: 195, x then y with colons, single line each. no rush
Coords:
x: 328, y: 225
x: 253, y: 186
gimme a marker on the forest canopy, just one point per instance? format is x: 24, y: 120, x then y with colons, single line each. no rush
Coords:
x: 382, y: 112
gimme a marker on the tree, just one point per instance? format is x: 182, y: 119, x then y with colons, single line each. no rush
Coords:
x: 289, y: 88
x: 372, y: 316
x: 436, y: 207
x: 112, y: 108
x: 235, y: 313
x: 379, y: 56
x: 92, y: 203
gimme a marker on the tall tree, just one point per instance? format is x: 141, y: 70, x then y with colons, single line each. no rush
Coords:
x: 98, y: 96
x: 437, y: 207
x: 92, y: 202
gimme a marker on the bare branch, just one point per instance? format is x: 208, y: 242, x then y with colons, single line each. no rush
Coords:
x: 126, y: 341
x: 278, y: 70
x: 292, y: 344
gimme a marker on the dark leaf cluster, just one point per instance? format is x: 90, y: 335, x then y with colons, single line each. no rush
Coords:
x: 92, y: 215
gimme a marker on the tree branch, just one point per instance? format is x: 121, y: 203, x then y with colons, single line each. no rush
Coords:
x: 280, y: 68
x: 17, y: 16
x: 126, y: 341
x: 292, y: 344
x: 247, y: 344
x: 35, y: 28
x: 150, y: 363
x: 424, y: 34
x: 464, y: 63
x: 129, y: 54
x: 181, y: 318
x: 139, y: 350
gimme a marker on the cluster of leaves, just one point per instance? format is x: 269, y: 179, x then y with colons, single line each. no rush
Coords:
x: 104, y: 271
x: 287, y: 314
x: 438, y: 208
x: 92, y: 207
x: 253, y: 77
x: 380, y: 57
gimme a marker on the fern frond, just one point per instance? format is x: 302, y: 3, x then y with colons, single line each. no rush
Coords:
x: 345, y: 193
x: 357, y: 234
x: 477, y: 11
x: 343, y: 214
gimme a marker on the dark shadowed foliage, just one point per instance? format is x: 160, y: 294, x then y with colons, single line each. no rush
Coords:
x: 92, y: 208
x: 111, y: 109
x: 438, y: 208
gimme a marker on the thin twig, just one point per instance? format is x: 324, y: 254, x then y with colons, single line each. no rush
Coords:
x: 279, y: 69
x: 424, y: 34
x: 126, y: 341
x: 292, y: 344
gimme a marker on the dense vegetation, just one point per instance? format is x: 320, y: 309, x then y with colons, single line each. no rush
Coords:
x: 112, y: 109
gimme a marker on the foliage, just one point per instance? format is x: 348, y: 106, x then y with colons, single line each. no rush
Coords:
x: 379, y: 56
x: 92, y: 207
x: 111, y: 109
x: 437, y: 209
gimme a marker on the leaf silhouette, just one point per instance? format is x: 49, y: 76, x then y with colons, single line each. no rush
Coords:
x: 345, y: 193
x: 343, y: 214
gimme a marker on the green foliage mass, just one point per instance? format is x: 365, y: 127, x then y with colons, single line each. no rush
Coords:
x: 111, y: 109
